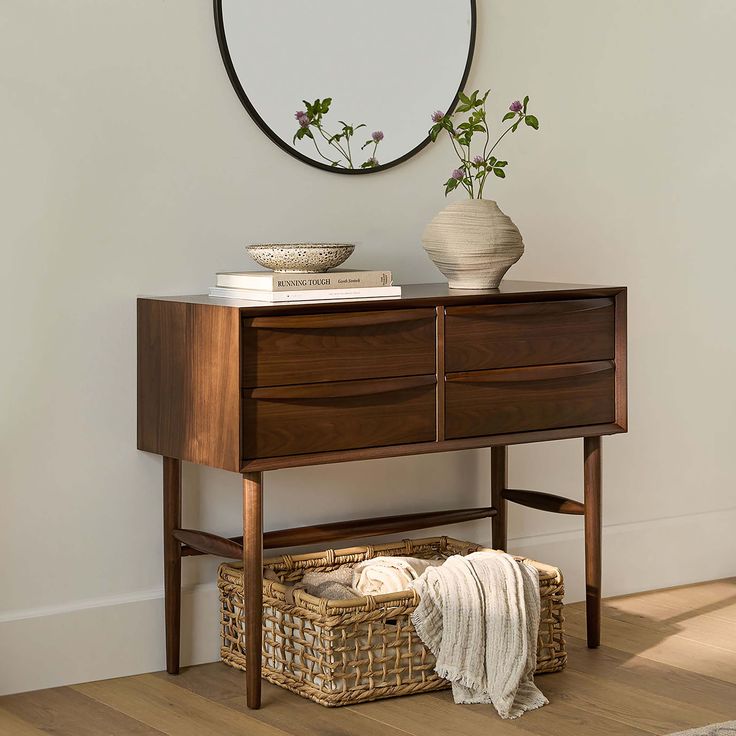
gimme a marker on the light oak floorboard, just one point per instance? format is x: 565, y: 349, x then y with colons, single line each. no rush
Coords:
x: 63, y: 712
x: 173, y: 709
x: 701, y: 613
x: 668, y: 663
x: 281, y: 709
x: 715, y: 600
x: 427, y: 715
x: 624, y: 703
x: 11, y: 725
x: 661, y: 646
x: 613, y: 665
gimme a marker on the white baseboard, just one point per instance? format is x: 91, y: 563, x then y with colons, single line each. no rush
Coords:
x: 124, y: 635
x: 644, y: 555
x: 103, y: 638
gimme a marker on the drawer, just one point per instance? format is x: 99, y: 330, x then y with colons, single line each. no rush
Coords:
x: 525, y: 399
x: 541, y: 333
x: 281, y: 350
x: 294, y: 420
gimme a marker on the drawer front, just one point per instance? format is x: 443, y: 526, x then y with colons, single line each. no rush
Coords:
x: 283, y: 350
x: 526, y: 399
x: 542, y: 333
x: 295, y: 420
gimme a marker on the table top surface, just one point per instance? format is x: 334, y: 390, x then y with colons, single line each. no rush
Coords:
x: 415, y: 295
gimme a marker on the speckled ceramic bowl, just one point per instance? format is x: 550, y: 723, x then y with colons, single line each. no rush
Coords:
x: 300, y: 257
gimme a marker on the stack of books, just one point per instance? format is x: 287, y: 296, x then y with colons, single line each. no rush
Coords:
x: 269, y: 286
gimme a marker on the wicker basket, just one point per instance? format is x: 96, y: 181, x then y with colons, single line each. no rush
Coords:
x: 339, y: 652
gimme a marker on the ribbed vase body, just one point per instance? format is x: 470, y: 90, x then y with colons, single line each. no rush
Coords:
x: 473, y: 243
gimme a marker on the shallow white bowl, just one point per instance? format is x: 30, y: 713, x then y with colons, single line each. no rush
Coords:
x: 300, y: 257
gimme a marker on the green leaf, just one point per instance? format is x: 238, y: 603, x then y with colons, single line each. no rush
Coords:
x: 325, y: 107
x: 508, y: 116
x: 464, y: 98
x: 516, y: 125
x: 367, y: 143
x: 501, y: 163
x: 451, y: 185
x: 532, y: 121
x: 492, y: 161
x: 526, y: 102
x: 462, y: 108
x: 301, y: 133
x: 500, y: 173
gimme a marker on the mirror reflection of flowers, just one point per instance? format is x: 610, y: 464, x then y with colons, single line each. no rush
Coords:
x: 311, y: 126
x: 474, y: 170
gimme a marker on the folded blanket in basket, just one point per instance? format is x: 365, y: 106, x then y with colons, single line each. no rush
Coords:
x: 388, y: 574
x: 334, y: 584
x: 479, y: 616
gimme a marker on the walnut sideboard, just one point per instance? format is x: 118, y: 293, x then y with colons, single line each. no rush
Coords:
x: 251, y: 387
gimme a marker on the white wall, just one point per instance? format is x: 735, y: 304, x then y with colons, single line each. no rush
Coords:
x: 129, y: 166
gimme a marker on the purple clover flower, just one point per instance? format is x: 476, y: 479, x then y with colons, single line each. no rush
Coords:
x: 302, y: 118
x: 437, y: 116
x: 478, y: 159
x: 377, y: 135
x: 516, y: 106
x: 458, y: 174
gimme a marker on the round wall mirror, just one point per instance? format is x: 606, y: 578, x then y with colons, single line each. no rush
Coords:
x: 364, y: 78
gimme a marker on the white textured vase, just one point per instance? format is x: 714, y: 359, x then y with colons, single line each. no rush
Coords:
x: 473, y: 243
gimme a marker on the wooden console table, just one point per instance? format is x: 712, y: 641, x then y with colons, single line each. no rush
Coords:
x: 250, y: 387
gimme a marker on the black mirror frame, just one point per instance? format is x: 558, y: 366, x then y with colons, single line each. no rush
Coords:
x: 261, y: 123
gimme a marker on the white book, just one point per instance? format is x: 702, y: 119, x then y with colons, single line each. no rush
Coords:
x: 271, y: 281
x: 259, y: 295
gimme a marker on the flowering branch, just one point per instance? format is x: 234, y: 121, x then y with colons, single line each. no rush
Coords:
x: 311, y: 119
x: 473, y: 171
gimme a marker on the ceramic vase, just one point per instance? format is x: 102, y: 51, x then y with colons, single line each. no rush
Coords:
x: 473, y: 243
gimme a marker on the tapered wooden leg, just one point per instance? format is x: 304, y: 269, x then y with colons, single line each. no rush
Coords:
x: 172, y: 562
x: 253, y: 582
x: 593, y: 528
x: 499, y: 481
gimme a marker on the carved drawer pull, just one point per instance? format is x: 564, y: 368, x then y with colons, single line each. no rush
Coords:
x: 353, y: 319
x: 536, y: 309
x: 341, y: 389
x: 533, y: 373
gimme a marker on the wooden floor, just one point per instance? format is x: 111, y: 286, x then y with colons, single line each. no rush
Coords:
x: 668, y: 663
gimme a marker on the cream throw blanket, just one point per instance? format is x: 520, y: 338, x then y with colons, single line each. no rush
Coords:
x: 479, y: 616
x: 388, y: 574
